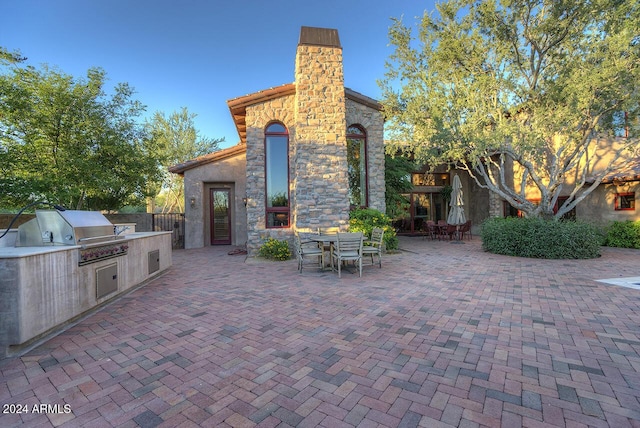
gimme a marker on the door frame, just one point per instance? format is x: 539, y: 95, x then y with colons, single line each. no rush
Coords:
x: 212, y: 237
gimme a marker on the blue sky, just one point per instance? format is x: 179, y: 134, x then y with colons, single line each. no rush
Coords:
x: 198, y: 53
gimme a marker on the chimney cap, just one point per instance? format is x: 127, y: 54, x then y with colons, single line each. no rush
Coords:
x: 319, y: 37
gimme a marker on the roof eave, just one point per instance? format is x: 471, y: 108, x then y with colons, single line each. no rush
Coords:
x: 620, y: 179
x: 238, y: 106
x: 208, y: 158
x: 362, y: 99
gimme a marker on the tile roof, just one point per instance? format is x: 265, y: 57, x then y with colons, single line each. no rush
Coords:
x: 208, y: 158
x: 629, y: 172
x: 238, y: 108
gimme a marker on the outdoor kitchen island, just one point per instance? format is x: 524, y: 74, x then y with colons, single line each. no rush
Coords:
x: 43, y: 288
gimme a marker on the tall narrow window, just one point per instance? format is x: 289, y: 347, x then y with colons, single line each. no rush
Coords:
x: 276, y: 147
x: 357, y: 166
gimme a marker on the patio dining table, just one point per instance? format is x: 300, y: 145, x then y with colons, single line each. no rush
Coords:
x: 331, y: 239
x: 439, y: 231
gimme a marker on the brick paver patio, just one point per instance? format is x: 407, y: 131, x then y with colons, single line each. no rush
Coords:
x: 443, y: 335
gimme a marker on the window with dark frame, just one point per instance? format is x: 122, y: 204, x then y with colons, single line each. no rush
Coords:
x: 276, y: 149
x: 509, y: 210
x: 569, y: 215
x: 625, y: 201
x: 430, y: 179
x: 357, y: 166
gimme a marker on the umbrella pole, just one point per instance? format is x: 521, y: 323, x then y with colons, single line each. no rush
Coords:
x: 457, y: 240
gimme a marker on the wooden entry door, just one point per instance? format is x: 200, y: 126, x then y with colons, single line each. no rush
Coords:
x: 220, y: 207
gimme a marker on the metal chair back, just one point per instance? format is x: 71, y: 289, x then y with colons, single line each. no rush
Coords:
x: 348, y: 248
x: 374, y: 245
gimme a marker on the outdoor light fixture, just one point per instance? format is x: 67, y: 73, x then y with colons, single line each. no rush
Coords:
x: 192, y: 201
x: 244, y: 200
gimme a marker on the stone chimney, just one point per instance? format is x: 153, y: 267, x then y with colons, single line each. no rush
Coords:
x: 320, y: 188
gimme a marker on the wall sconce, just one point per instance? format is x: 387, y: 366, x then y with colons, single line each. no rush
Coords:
x: 244, y: 200
x: 192, y: 201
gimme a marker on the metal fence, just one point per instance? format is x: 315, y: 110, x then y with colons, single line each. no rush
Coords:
x: 170, y: 222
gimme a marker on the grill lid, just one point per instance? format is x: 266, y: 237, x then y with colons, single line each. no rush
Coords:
x: 69, y: 227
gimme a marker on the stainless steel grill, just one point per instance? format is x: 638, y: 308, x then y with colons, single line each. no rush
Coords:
x: 89, y: 229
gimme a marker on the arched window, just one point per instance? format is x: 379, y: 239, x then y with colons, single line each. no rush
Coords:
x: 357, y: 166
x: 276, y: 148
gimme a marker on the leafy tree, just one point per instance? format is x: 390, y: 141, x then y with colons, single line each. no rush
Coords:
x: 397, y: 176
x: 176, y: 140
x: 519, y: 93
x: 63, y: 139
x: 7, y: 57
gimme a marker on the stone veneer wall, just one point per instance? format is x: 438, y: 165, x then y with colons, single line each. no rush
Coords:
x: 259, y: 116
x: 320, y: 184
x: 373, y: 123
x: 496, y: 208
x: 316, y: 117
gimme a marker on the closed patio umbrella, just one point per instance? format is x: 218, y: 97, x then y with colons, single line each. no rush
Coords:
x: 456, y: 213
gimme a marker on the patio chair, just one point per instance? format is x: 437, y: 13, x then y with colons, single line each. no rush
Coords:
x: 451, y: 231
x: 348, y: 248
x: 328, y: 230
x: 308, y: 249
x: 430, y: 230
x: 373, y: 246
x: 465, y: 229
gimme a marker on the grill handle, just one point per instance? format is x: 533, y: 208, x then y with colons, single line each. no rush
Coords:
x: 91, y: 238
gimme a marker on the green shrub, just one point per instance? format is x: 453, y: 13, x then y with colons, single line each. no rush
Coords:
x: 624, y: 234
x: 539, y: 238
x: 274, y: 249
x: 365, y: 219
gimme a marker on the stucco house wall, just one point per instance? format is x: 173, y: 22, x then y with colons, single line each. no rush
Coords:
x: 599, y: 206
x: 229, y: 173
